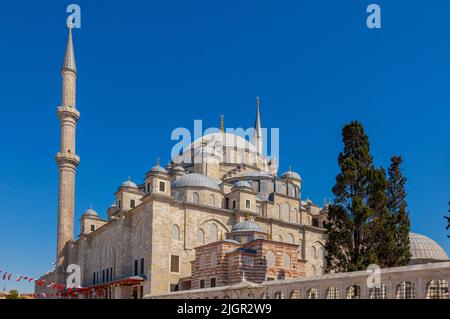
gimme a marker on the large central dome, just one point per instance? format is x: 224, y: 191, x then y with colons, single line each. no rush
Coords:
x: 225, y: 150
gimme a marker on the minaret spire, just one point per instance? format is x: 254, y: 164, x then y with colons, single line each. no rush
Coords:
x: 69, y: 58
x: 257, y: 137
x: 66, y: 157
x: 222, y: 125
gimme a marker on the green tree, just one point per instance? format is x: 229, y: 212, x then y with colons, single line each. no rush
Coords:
x: 12, y: 294
x: 349, y: 246
x: 396, y: 205
x: 382, y: 243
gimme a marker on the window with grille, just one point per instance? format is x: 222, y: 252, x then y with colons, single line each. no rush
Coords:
x: 174, y: 263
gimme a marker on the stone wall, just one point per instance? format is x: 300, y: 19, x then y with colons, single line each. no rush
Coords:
x: 421, y: 281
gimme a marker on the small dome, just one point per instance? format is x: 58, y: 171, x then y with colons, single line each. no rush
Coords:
x: 158, y: 169
x: 129, y: 183
x: 424, y: 248
x: 196, y: 180
x: 90, y: 212
x: 247, y: 225
x: 291, y: 175
x: 244, y: 184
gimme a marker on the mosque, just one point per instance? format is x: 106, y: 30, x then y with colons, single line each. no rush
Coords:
x: 220, y: 211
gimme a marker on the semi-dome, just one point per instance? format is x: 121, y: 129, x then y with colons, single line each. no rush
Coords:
x: 291, y: 175
x: 425, y: 249
x: 243, y: 184
x: 246, y: 226
x: 196, y: 180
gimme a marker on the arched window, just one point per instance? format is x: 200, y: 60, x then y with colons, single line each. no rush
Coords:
x: 212, y: 200
x: 313, y: 252
x: 286, y: 261
x: 319, y: 251
x: 276, y: 209
x: 202, y: 261
x: 314, y: 270
x: 213, y: 233
x: 312, y: 293
x: 437, y: 289
x: 278, y: 295
x: 213, y: 259
x: 175, y: 232
x: 280, y: 238
x: 201, y: 236
x: 378, y: 292
x: 294, y: 216
x: 295, y: 294
x: 332, y: 293
x: 300, y: 249
x: 285, y: 211
x: 405, y: 290
x: 290, y: 239
x: 353, y: 292
x: 270, y: 259
x: 195, y: 198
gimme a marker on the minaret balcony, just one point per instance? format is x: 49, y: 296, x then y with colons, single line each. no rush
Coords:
x: 67, y: 158
x: 68, y: 111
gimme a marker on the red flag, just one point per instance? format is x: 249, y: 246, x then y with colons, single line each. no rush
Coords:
x: 4, y: 275
x: 19, y: 278
x: 30, y: 279
x: 9, y: 276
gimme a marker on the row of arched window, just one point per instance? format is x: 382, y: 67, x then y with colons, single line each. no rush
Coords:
x: 211, y: 199
x: 285, y: 260
x: 213, y: 233
x: 284, y: 212
x: 212, y: 260
x: 435, y: 289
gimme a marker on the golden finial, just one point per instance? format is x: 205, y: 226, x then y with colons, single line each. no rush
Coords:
x: 247, y: 216
x: 221, y: 236
x: 222, y: 125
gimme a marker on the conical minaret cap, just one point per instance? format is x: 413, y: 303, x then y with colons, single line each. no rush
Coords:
x: 257, y: 119
x: 69, y: 58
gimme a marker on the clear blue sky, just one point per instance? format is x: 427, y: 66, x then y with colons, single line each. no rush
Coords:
x: 147, y: 67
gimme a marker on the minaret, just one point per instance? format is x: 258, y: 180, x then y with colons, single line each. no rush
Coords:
x: 222, y: 125
x: 66, y: 157
x: 257, y: 137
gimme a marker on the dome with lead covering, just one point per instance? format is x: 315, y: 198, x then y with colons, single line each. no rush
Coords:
x: 423, y: 248
x: 129, y: 183
x: 158, y: 169
x: 243, y: 184
x: 246, y: 226
x: 90, y: 212
x: 196, y: 180
x: 291, y: 175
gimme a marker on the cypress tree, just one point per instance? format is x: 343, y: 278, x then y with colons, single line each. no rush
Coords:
x: 382, y: 245
x: 396, y: 205
x: 349, y: 246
